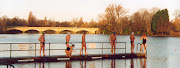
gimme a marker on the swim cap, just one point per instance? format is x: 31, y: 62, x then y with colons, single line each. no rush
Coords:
x: 144, y: 35
x: 132, y: 32
x: 43, y: 33
x: 73, y: 45
x: 84, y: 31
x: 114, y: 32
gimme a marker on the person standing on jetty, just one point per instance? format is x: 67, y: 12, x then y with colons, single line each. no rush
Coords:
x: 67, y: 39
x: 83, y: 44
x: 42, y: 43
x: 113, y: 42
x: 144, y: 39
x: 132, y: 42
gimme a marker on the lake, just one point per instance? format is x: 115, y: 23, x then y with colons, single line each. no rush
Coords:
x: 162, y: 52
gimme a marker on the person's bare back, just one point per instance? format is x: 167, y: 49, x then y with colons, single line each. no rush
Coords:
x: 83, y: 38
x: 67, y: 40
x: 132, y: 37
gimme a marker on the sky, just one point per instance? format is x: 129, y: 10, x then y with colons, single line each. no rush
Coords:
x: 67, y: 10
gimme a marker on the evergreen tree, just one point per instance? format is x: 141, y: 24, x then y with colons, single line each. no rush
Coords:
x: 159, y: 20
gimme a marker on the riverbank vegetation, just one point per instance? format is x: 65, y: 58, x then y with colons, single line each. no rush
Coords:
x: 153, y: 21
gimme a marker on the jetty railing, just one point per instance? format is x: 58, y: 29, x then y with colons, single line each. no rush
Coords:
x: 138, y: 48
x: 49, y: 49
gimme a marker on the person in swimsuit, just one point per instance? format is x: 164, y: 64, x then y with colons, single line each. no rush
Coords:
x: 113, y: 42
x: 83, y: 44
x: 68, y: 52
x: 132, y: 42
x: 42, y: 43
x: 67, y: 39
x: 71, y: 48
x: 144, y: 39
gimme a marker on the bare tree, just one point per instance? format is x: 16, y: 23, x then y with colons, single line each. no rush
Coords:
x: 176, y: 13
x: 112, y: 16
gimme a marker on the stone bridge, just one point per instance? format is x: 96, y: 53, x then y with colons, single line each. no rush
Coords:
x: 56, y: 30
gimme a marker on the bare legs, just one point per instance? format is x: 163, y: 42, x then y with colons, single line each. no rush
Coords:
x: 42, y: 47
x: 132, y: 47
x: 113, y: 47
x: 83, y: 45
x: 142, y: 47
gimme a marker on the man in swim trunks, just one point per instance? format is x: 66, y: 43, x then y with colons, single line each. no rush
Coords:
x: 144, y: 39
x: 83, y: 44
x: 113, y: 42
x: 132, y: 42
x: 42, y: 42
x: 67, y: 39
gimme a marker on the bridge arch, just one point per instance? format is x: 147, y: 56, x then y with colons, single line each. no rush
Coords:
x: 62, y: 30
x: 14, y: 31
x: 66, y: 31
x: 32, y: 31
x: 50, y: 31
x: 82, y: 31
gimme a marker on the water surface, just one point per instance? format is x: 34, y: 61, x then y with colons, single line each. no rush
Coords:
x: 162, y: 52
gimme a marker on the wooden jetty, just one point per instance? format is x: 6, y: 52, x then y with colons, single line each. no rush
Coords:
x: 59, y: 58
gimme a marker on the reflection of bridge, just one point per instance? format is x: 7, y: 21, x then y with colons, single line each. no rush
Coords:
x: 56, y: 30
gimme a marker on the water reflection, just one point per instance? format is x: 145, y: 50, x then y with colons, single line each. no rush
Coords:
x: 132, y: 63
x: 68, y: 64
x: 41, y: 65
x: 113, y: 63
x: 81, y: 64
x: 143, y: 64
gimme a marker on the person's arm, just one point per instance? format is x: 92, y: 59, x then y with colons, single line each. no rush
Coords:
x: 146, y: 38
x: 66, y: 39
x: 116, y: 39
x: 141, y: 38
x: 39, y: 38
x: 72, y: 49
x: 110, y: 39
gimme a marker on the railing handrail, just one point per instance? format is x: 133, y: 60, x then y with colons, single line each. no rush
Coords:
x: 35, y: 49
x: 59, y: 43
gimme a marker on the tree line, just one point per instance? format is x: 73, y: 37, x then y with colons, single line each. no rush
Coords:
x: 153, y: 21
